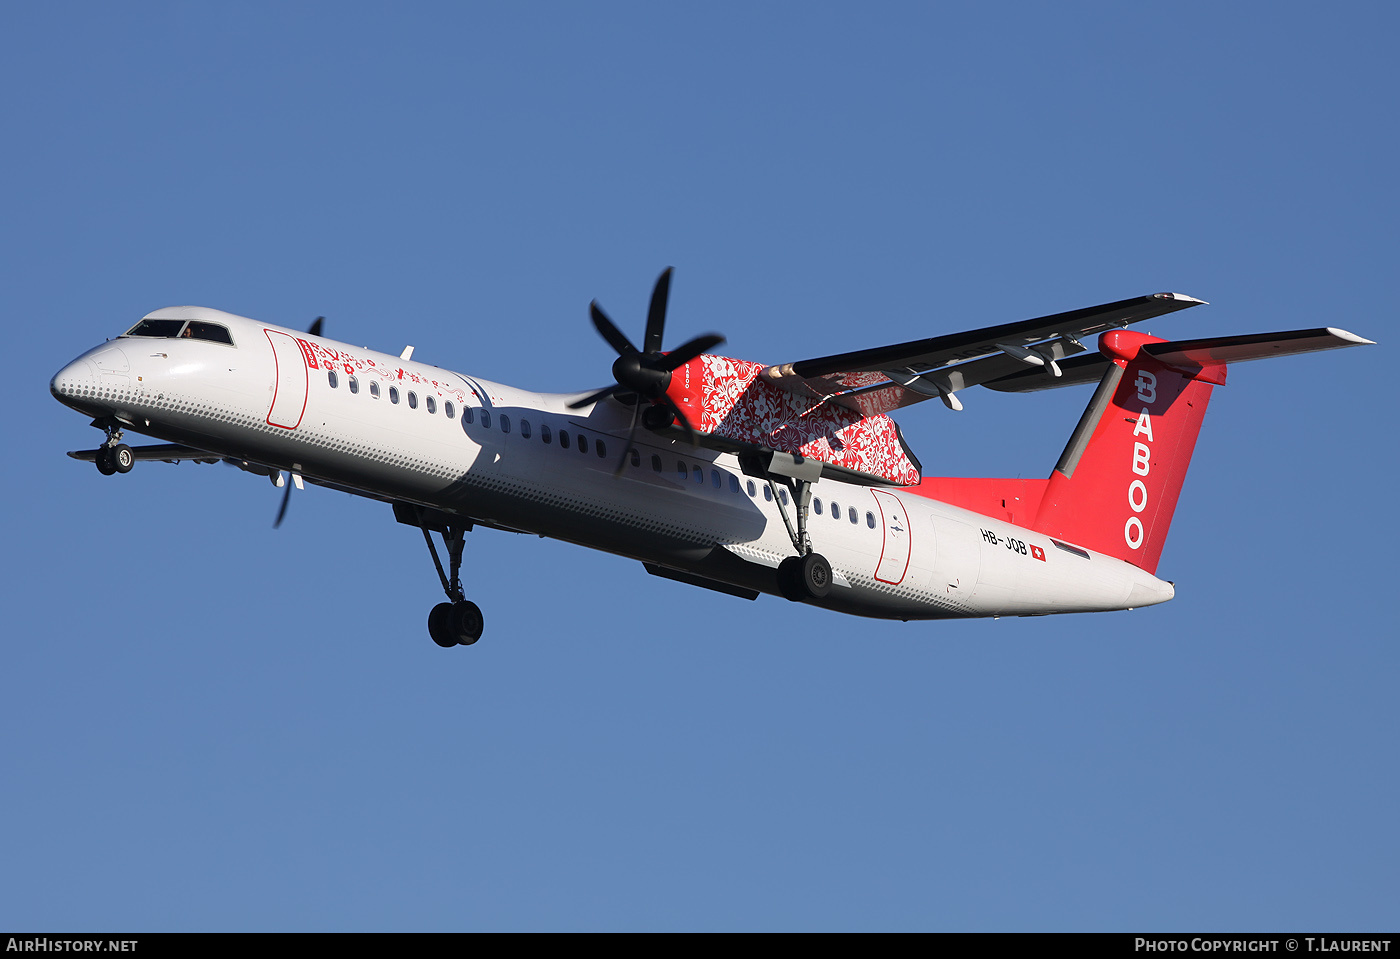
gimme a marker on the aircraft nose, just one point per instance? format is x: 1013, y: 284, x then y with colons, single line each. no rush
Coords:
x: 74, y: 380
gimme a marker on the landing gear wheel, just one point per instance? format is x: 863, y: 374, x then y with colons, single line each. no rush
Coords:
x: 122, y: 459
x: 814, y: 575
x: 465, y: 622
x: 437, y: 625
x: 804, y: 577
x: 790, y: 579
x: 106, y: 464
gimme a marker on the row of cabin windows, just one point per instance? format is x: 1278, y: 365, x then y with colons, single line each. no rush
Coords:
x: 547, y: 435
x: 684, y: 471
x: 429, y: 402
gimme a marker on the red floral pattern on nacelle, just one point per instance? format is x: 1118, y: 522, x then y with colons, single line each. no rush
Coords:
x: 734, y: 402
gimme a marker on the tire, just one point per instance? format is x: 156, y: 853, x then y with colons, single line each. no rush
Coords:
x: 815, y: 575
x: 438, y: 627
x: 465, y: 622
x: 122, y: 458
x: 105, y: 463
x: 790, y: 579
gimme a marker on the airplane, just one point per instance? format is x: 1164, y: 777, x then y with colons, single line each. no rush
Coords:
x: 789, y: 480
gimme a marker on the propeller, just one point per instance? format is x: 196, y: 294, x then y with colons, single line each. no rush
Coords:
x: 282, y: 510
x: 279, y: 480
x: 646, y: 372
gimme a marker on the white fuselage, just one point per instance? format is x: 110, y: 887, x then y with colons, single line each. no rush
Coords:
x: 893, y: 553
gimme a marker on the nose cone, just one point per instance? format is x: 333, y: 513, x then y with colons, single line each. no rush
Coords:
x: 74, y: 382
x: 95, y: 381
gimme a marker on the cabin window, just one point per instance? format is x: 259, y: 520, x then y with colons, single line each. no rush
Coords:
x: 467, y: 416
x: 332, y: 379
x: 412, y: 400
x: 682, y: 470
x: 655, y: 463
x: 817, y: 506
x: 505, y: 423
x: 582, y: 443
x: 870, y: 519
x: 715, y: 481
x: 393, y: 394
x: 733, y: 483
x: 635, y: 457
x: 485, y: 419
x: 851, y: 514
x: 699, y: 475
x: 354, y: 383
x: 768, y: 493
x: 600, y: 449
x: 525, y: 429
x: 448, y: 410
x: 374, y: 389
x: 563, y: 439
x: 545, y: 435
x: 430, y: 404
x: 752, y: 489
x: 835, y: 510
x: 782, y: 495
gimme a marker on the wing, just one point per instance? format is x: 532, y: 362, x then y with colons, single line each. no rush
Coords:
x: 1188, y: 354
x: 161, y: 452
x: 889, y: 377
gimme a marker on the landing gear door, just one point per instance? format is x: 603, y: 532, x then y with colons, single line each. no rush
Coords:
x: 290, y: 387
x: 894, y: 558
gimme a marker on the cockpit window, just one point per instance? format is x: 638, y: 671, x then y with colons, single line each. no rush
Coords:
x: 200, y: 330
x: 166, y: 328
x: 180, y: 329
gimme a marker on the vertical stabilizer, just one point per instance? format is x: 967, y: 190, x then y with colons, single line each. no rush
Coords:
x: 1115, y: 487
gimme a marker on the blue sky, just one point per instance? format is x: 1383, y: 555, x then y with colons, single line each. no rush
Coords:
x: 211, y: 725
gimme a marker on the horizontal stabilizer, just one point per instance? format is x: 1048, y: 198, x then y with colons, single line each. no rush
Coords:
x: 1186, y: 355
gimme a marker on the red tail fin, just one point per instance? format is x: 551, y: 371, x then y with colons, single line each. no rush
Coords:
x: 1115, y: 487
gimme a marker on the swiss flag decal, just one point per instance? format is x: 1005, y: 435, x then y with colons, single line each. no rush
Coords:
x: 1038, y: 553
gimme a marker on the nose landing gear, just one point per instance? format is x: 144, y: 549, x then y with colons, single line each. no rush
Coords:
x: 113, y: 456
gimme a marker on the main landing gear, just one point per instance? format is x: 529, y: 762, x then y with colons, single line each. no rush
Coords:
x: 806, y: 576
x: 113, y: 456
x: 457, y: 622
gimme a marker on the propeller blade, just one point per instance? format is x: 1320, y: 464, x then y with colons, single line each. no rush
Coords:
x: 684, y: 354
x: 682, y: 419
x: 315, y: 329
x: 609, y: 331
x: 592, y: 398
x: 656, y: 314
x: 282, y: 510
x: 627, y: 447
